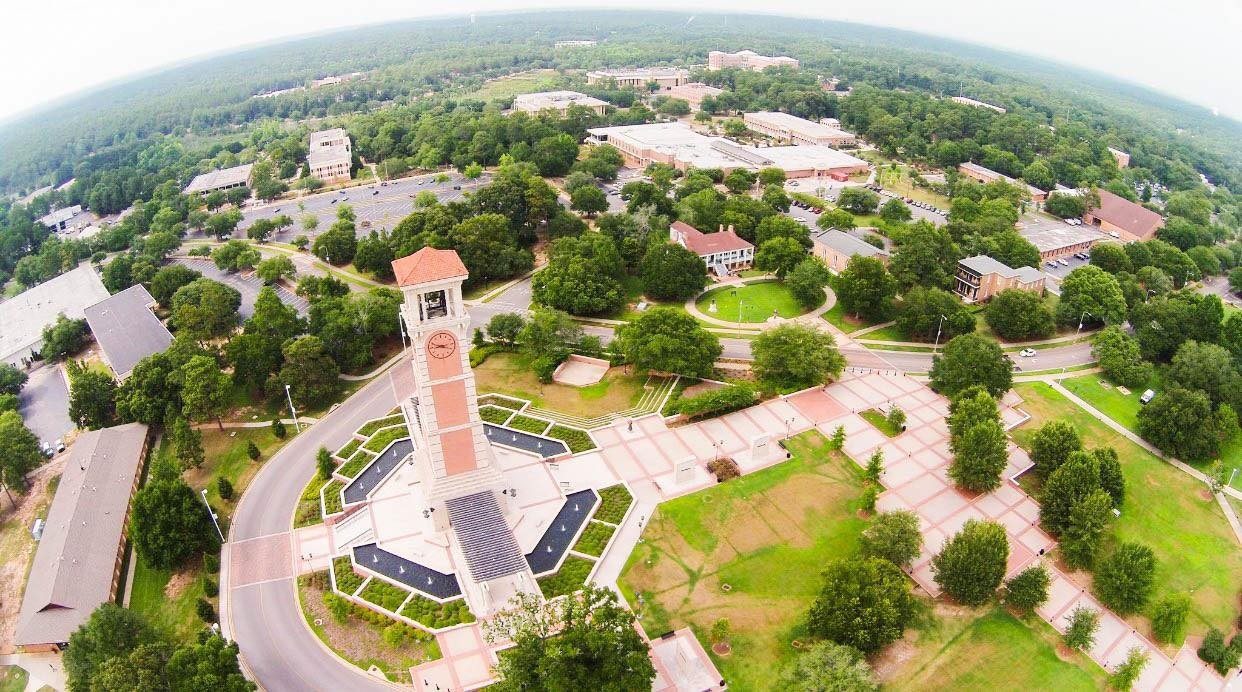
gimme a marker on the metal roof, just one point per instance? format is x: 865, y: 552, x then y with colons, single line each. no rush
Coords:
x: 126, y: 328
x: 847, y: 244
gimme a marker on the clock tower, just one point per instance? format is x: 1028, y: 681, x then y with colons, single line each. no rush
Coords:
x: 452, y: 454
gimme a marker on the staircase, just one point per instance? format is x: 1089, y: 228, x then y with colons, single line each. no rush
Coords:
x: 484, y: 536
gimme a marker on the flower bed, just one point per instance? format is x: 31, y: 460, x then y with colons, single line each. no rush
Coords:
x: 494, y: 414
x: 614, y: 501
x: 356, y: 463
x: 434, y: 615
x: 568, y: 579
x: 308, y: 512
x: 348, y: 450
x: 528, y: 424
x: 385, y: 437
x: 577, y: 440
x: 594, y: 538
x: 384, y: 595
x: 370, y: 428
x: 500, y: 401
x: 332, y: 497
x: 346, y: 580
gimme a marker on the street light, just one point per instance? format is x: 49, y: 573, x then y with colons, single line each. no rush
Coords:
x: 213, y: 515
x: 938, y: 326
x: 292, y: 410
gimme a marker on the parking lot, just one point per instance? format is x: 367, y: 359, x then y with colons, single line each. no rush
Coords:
x: 248, y: 285
x: 1062, y: 266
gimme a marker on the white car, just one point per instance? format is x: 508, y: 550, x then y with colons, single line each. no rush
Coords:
x: 1027, y: 353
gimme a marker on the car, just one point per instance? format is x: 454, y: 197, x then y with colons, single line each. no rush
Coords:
x: 59, y: 444
x: 384, y: 184
x: 335, y: 200
x: 374, y: 192
x: 1050, y: 264
x: 793, y: 183
x: 1147, y: 396
x: 1063, y: 263
x: 47, y: 450
x: 341, y: 191
x: 457, y: 187
x: 1027, y: 353
x: 276, y: 210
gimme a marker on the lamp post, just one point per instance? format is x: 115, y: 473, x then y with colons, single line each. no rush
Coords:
x: 1147, y: 298
x: 292, y: 410
x: 938, y: 326
x: 1065, y: 368
x: 212, y: 512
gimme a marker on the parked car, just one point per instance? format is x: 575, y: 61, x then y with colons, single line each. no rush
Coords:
x: 1027, y: 353
x: 1063, y: 263
x: 1147, y: 396
x: 59, y: 444
x: 1050, y: 264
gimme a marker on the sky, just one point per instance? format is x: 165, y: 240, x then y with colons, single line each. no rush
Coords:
x: 1187, y: 48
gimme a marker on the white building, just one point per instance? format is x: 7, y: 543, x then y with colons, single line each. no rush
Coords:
x: 748, y: 60
x: 23, y: 317
x: 558, y: 101
x: 330, y: 155
x: 575, y: 44
x: 640, y: 77
x: 791, y: 128
x: 724, y: 251
x: 222, y: 179
x: 60, y: 219
x: 977, y: 104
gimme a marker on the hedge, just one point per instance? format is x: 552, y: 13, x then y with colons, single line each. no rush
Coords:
x: 332, y: 497
x: 614, y: 501
x: 385, y: 437
x: 346, y: 580
x: 356, y: 463
x: 528, y: 424
x: 594, y: 538
x: 384, y: 595
x: 434, y: 615
x: 370, y: 428
x: 568, y: 579
x: 494, y: 414
x: 348, y: 450
x: 307, y: 513
x: 478, y: 354
x: 717, y: 401
x: 500, y: 401
x: 578, y: 440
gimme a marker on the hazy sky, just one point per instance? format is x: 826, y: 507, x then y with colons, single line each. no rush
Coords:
x: 1187, y: 48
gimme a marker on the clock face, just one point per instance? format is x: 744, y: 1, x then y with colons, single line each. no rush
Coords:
x: 441, y: 345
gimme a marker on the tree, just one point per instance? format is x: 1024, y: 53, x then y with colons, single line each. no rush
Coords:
x: 671, y: 272
x: 1120, y: 358
x: 504, y: 328
x: 324, y: 466
x: 11, y: 379
x: 895, y: 211
x: 971, y: 565
x: 92, y: 397
x: 1071, y: 483
x: 1088, y: 518
x: 866, y: 289
x: 554, y: 155
x: 1090, y: 296
x: 253, y: 358
x: 666, y: 339
x: 110, y: 632
x: 595, y: 645
x: 204, y: 389
x: 549, y: 333
x: 1205, y: 260
x: 1083, y: 623
x: 170, y: 278
x: 187, y: 444
x: 1065, y: 206
x: 968, y: 360
x: 589, y: 200
x: 273, y: 269
x: 210, y: 664
x: 1124, y: 579
x: 1182, y: 424
x: 930, y: 312
x: 252, y: 451
x: 858, y: 200
x: 1213, y: 650
x: 839, y: 219
x: 865, y: 603
x: 1028, y: 589
x: 893, y: 536
x: 204, y: 308
x: 260, y: 230
x: 1128, y: 671
x: 774, y: 226
x: 979, y: 457
x: 224, y: 224
x: 971, y: 406
x: 779, y: 256
x: 1168, y: 617
x: 771, y: 176
x: 795, y: 356
x: 310, y: 373
x: 19, y: 450
x: 828, y: 666
x: 740, y: 180
x: 140, y: 669
x: 775, y: 197
x: 1052, y: 444
x: 337, y: 245
x: 1207, y: 368
x: 582, y: 276
x: 1111, y: 257
x: 63, y: 338
x: 225, y: 488
x: 807, y: 280
x: 168, y: 523
x: 1017, y: 315
x: 926, y: 256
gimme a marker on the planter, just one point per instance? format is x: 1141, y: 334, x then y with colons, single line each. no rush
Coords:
x: 722, y: 649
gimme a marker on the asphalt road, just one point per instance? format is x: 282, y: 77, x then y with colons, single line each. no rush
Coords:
x: 44, y: 404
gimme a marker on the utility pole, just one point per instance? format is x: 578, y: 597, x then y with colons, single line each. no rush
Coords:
x: 292, y: 410
x: 212, y: 512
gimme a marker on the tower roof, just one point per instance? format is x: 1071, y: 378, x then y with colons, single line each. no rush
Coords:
x: 427, y: 265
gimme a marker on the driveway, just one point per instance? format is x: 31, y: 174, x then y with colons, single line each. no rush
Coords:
x: 44, y: 403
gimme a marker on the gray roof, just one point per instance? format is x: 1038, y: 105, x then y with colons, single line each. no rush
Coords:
x: 485, y: 537
x: 77, y: 556
x: 126, y: 328
x: 847, y: 244
x: 217, y: 179
x: 986, y: 265
x: 1054, y: 235
x: 23, y: 317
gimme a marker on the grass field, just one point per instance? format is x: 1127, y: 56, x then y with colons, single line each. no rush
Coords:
x: 13, y: 679
x: 511, y: 374
x: 767, y: 535
x: 226, y: 457
x: 524, y: 83
x: 172, y: 612
x: 880, y: 422
x: 846, y: 323
x: 1165, y: 509
x: 756, y: 302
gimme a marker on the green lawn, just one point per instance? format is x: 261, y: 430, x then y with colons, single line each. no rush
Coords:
x: 174, y: 614
x: 837, y: 317
x: 524, y: 83
x: 1165, y: 509
x: 226, y: 457
x: 880, y: 422
x: 511, y: 374
x: 13, y: 679
x: 756, y: 302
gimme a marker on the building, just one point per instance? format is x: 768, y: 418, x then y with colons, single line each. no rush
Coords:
x: 977, y: 104
x: 61, y: 219
x: 222, y: 179
x: 77, y: 565
x: 791, y: 128
x: 981, y: 277
x: 1123, y: 219
x: 278, y: 92
x: 1122, y: 158
x: 640, y: 77
x: 126, y: 329
x: 748, y: 60
x: 680, y: 146
x: 329, y: 155
x: 987, y: 175
x: 694, y: 93
x: 1056, y: 239
x: 558, y: 101
x: 836, y: 248
x: 724, y: 251
x: 335, y: 79
x: 574, y: 44
x: 23, y: 317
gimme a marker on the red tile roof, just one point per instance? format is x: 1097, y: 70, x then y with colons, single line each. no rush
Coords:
x: 1132, y: 218
x: 703, y: 244
x: 428, y: 264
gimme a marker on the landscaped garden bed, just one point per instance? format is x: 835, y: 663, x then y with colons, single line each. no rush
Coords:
x: 332, y: 497
x: 435, y: 615
x: 308, y: 512
x: 370, y: 428
x: 385, y: 437
x: 578, y: 440
x: 347, y: 581
x: 880, y: 422
x: 384, y: 595
x: 594, y: 539
x: 348, y: 449
x: 356, y: 463
x: 494, y: 414
x: 500, y: 401
x: 568, y: 579
x: 615, y: 501
x: 528, y: 424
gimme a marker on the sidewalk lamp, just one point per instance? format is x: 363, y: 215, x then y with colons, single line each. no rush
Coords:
x: 938, y: 326
x: 289, y: 396
x: 212, y: 512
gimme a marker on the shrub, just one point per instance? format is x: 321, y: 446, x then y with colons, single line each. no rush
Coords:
x: 594, y: 539
x: 278, y: 429
x: 615, y: 501
x: 252, y: 450
x: 371, y: 427
x: 332, y: 501
x: 225, y: 488
x: 1028, y: 589
x: 717, y: 401
x: 494, y: 414
x: 568, y: 579
x: 577, y: 440
x: 870, y: 493
x: 1214, y: 651
x: 1168, y: 617
x: 347, y: 450
x: 544, y: 367
x: 210, y: 587
x: 380, y: 440
x: 359, y: 461
x: 347, y: 581
x: 724, y: 469
x: 205, y: 611
x: 384, y: 595
x: 528, y: 424
x: 1083, y: 623
x: 211, y: 563
x: 338, y: 607
x: 436, y: 615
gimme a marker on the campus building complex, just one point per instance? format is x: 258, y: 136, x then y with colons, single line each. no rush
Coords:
x: 724, y: 251
x: 680, y: 146
x: 791, y: 128
x: 1123, y: 219
x: 1056, y: 239
x: 748, y: 60
x: 987, y: 175
x: 330, y: 156
x: 221, y: 179
x: 23, y: 317
x: 126, y: 329
x: 694, y: 93
x: 981, y: 277
x: 640, y: 77
x: 965, y: 101
x: 837, y: 248
x: 557, y: 101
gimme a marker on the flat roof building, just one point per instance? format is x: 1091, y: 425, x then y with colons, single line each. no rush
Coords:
x: 640, y: 77
x: 221, y: 179
x: 23, y: 317
x: 837, y: 248
x: 977, y: 104
x: 60, y: 219
x: 127, y: 329
x: 724, y: 251
x: 680, y: 146
x: 1056, y: 239
x: 981, y: 277
x: 578, y: 43
x: 329, y: 155
x: 558, y: 101
x: 791, y: 128
x: 77, y: 565
x: 748, y: 60
x: 694, y: 93
x: 987, y: 175
x: 1123, y: 219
